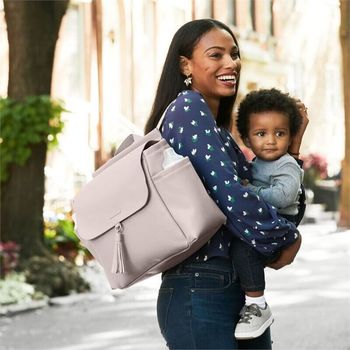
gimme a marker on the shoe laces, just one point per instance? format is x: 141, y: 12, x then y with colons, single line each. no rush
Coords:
x: 248, y: 311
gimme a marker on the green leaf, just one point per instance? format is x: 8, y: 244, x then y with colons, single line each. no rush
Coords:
x: 24, y: 123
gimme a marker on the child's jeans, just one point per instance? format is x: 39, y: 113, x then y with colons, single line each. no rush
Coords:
x: 250, y: 264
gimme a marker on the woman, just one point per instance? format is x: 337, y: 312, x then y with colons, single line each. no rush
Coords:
x: 200, y: 299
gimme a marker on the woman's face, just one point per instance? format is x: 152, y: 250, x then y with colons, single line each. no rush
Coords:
x: 215, y: 65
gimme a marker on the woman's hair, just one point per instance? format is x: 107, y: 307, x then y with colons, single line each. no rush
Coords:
x: 266, y: 100
x: 171, y: 81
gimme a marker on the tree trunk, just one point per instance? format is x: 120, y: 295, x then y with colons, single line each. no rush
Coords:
x: 32, y: 28
x: 344, y: 219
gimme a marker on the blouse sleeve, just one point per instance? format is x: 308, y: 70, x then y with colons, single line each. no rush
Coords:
x: 190, y: 129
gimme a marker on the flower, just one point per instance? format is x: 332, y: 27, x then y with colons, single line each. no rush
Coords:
x: 9, y: 254
x: 315, y: 168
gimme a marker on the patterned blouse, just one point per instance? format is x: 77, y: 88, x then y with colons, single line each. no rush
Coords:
x: 190, y: 128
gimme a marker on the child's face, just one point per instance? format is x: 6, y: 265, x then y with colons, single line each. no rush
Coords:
x: 269, y: 135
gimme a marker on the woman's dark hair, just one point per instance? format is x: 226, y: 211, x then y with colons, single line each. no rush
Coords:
x: 266, y: 100
x: 171, y: 81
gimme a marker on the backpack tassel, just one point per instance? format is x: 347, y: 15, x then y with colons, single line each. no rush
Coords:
x: 118, y: 256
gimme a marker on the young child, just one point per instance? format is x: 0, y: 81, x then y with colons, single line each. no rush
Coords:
x: 267, y: 120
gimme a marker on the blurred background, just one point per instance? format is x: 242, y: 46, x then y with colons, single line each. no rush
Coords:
x: 78, y: 76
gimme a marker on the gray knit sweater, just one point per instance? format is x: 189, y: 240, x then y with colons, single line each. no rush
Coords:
x: 278, y: 182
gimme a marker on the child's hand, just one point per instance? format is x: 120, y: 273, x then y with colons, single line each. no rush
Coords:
x: 244, y: 182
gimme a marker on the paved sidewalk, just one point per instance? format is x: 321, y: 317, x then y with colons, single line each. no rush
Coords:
x: 310, y: 300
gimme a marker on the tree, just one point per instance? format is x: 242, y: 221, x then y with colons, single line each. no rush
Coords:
x: 32, y: 28
x: 344, y: 220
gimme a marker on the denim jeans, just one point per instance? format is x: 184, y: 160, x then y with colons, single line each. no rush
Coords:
x: 249, y: 265
x: 198, y: 307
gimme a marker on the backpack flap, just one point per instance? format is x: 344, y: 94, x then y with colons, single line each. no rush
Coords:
x: 129, y: 145
x: 110, y: 197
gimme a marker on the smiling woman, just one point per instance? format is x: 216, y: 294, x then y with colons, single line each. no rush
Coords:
x: 214, y: 67
x: 200, y: 299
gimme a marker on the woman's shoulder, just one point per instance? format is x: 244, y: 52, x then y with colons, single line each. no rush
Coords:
x: 188, y: 103
x: 189, y: 98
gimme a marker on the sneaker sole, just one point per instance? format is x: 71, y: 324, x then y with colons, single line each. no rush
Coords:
x: 257, y: 333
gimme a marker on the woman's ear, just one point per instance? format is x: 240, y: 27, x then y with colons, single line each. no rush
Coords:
x: 185, y: 66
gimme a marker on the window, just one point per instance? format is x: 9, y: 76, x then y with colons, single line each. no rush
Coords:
x: 261, y: 11
x: 252, y: 11
x: 231, y: 12
x: 203, y: 9
x: 244, y: 15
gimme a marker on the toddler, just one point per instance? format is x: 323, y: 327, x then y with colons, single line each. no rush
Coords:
x: 267, y: 120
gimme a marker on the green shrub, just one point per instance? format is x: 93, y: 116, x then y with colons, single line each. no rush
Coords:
x: 54, y: 277
x: 61, y: 238
x: 24, y: 123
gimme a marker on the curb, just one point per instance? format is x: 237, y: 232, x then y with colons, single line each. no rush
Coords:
x: 15, y: 309
x: 78, y: 298
x: 11, y: 310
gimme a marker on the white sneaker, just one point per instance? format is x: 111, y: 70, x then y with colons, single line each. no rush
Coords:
x: 253, y: 322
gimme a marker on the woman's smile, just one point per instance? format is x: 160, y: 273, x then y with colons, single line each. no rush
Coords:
x: 228, y: 80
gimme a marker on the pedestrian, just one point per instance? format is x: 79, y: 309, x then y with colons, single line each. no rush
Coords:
x: 200, y: 299
x: 267, y: 120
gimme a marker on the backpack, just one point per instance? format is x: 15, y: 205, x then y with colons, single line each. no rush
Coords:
x: 142, y: 213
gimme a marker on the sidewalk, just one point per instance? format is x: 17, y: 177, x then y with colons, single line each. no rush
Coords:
x: 309, y: 299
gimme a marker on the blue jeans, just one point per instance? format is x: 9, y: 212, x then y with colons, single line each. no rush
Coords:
x: 249, y: 265
x: 198, y: 307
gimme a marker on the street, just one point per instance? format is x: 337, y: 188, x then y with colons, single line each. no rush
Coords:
x: 310, y: 301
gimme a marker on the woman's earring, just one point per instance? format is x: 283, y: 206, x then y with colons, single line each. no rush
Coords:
x: 188, y: 80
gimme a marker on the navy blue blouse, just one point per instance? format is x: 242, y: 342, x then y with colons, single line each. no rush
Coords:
x: 190, y: 128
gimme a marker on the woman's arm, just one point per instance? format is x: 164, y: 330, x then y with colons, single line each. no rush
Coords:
x: 294, y: 151
x: 190, y: 129
x: 294, y: 147
x: 287, y: 255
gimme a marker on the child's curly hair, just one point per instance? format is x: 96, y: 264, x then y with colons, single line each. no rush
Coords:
x: 265, y: 100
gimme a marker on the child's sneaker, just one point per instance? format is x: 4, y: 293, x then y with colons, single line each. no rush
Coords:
x: 253, y: 322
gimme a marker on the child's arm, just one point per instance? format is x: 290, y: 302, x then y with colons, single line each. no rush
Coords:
x: 285, y: 186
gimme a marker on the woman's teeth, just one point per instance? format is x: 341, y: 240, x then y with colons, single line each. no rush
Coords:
x: 227, y: 77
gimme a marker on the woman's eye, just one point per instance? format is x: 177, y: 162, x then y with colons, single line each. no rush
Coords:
x: 216, y: 55
x: 234, y: 54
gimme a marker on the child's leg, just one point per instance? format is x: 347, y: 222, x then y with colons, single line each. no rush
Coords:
x: 256, y: 315
x: 249, y: 267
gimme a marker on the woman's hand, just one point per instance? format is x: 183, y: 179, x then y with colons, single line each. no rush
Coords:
x: 244, y: 182
x: 296, y: 140
x: 287, y: 255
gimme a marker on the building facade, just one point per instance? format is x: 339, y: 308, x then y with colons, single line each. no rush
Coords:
x: 110, y: 54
